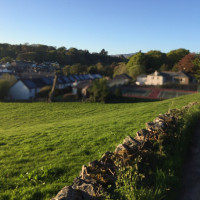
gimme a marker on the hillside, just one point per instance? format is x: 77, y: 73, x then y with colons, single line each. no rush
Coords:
x: 43, y: 146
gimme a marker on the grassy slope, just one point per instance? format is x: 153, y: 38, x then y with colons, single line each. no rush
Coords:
x: 61, y: 137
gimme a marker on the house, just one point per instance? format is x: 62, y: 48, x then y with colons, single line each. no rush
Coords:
x: 6, y: 65
x: 165, y: 77
x: 23, y: 89
x: 5, y: 70
x: 81, y: 86
x: 141, y: 79
x: 121, y: 79
x: 156, y: 78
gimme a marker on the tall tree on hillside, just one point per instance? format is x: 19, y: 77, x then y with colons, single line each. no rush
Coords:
x: 99, y: 91
x: 135, y: 70
x: 175, y: 56
x: 137, y: 59
x: 136, y: 65
x: 120, y: 68
x: 164, y: 67
x: 4, y: 88
x: 186, y: 63
x: 155, y: 59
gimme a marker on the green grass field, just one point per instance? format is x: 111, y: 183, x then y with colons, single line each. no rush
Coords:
x: 43, y: 146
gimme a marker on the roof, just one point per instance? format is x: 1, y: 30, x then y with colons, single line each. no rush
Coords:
x: 44, y: 81
x: 77, y: 77
x: 180, y: 73
x: 47, y: 81
x: 82, y: 77
x: 71, y: 78
x: 29, y: 83
x: 84, y: 84
x: 38, y: 82
x: 122, y: 76
x: 142, y: 76
x: 67, y: 80
x: 169, y: 74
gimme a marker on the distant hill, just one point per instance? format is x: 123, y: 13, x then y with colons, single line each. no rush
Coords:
x: 127, y: 55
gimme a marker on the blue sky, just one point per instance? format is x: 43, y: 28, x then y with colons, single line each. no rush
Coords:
x: 118, y: 26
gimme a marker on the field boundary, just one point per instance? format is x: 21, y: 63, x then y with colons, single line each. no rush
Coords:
x: 155, y: 92
x: 100, y: 174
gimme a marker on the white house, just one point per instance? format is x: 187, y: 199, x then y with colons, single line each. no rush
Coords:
x: 160, y: 78
x: 155, y: 79
x: 22, y: 90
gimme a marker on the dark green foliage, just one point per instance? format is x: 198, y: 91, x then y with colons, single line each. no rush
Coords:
x: 155, y: 60
x: 175, y: 56
x: 99, y: 91
x: 4, y: 88
x: 6, y: 59
x: 44, y: 92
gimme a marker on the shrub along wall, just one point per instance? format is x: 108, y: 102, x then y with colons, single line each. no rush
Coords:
x: 145, y: 167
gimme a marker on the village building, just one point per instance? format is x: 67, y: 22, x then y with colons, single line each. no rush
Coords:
x: 23, y: 89
x: 141, y: 79
x: 121, y: 79
x: 165, y: 77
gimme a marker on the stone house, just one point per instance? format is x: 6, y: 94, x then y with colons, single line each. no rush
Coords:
x: 161, y: 78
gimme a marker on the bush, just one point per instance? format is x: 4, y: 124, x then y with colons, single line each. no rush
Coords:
x: 69, y: 97
x: 44, y: 92
x: 4, y: 88
x: 99, y: 91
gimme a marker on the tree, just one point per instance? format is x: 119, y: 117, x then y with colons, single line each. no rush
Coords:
x: 75, y: 69
x: 99, y: 91
x: 4, y: 88
x: 120, y: 68
x: 196, y: 62
x: 137, y: 59
x: 164, y: 67
x: 92, y: 69
x: 136, y: 70
x: 186, y: 63
x: 155, y: 59
x: 53, y: 88
x: 175, y: 56
x: 62, y: 49
x: 136, y: 65
x: 6, y: 59
x: 103, y: 52
x: 9, y: 78
x: 66, y: 70
x: 175, y: 68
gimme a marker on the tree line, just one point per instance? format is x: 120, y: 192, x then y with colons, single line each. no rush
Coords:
x: 75, y: 61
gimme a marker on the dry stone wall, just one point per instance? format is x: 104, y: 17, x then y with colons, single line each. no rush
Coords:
x: 101, y: 173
